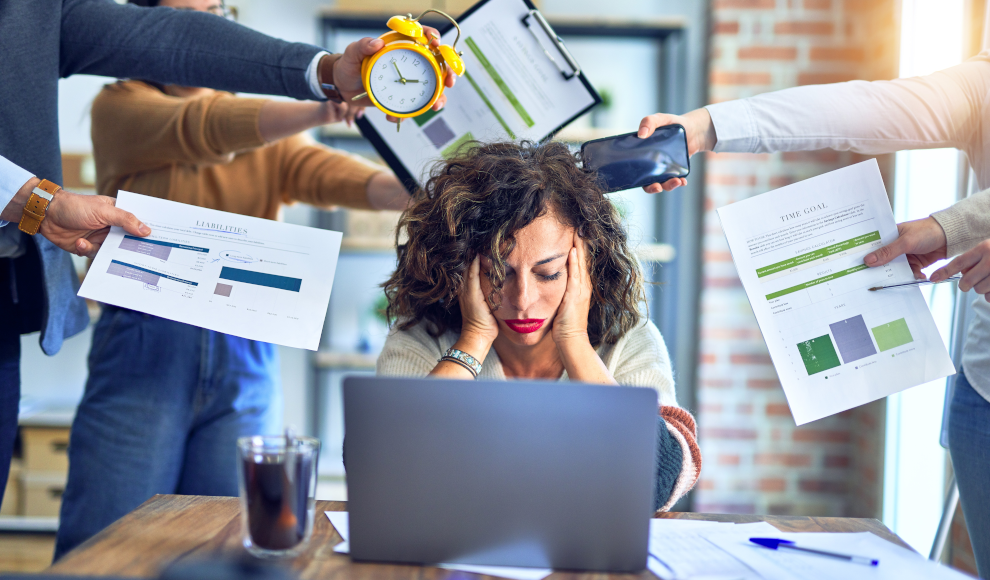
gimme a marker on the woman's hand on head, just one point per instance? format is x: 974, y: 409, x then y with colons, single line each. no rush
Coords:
x: 570, y: 325
x: 700, y: 137
x: 479, y: 329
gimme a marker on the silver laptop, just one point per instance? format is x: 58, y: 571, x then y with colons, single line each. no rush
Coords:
x: 540, y: 474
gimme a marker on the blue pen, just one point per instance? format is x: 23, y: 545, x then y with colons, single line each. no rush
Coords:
x: 775, y: 544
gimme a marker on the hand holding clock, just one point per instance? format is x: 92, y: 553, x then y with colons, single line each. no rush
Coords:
x: 344, y: 70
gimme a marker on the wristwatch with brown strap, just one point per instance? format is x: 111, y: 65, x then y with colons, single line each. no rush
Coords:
x: 37, y: 205
x: 324, y: 73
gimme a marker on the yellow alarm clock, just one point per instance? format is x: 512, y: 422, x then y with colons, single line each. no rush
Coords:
x: 406, y: 77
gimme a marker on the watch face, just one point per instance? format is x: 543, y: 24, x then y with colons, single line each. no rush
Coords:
x: 403, y: 81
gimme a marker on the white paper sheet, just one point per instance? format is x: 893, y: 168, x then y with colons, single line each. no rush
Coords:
x: 249, y: 277
x: 896, y: 563
x: 510, y: 91
x: 679, y: 549
x: 340, y: 522
x: 799, y: 253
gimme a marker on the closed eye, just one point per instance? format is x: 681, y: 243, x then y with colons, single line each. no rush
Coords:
x: 551, y: 277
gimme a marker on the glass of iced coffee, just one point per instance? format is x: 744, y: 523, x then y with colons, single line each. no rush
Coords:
x: 278, y: 492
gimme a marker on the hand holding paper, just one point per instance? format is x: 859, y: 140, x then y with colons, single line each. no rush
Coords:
x: 800, y: 251
x: 249, y: 277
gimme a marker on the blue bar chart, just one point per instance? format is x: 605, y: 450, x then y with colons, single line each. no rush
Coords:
x: 853, y: 339
x: 261, y: 279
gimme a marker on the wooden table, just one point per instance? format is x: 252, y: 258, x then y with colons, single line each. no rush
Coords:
x: 167, y: 528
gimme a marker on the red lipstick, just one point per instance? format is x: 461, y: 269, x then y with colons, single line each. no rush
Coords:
x: 525, y: 325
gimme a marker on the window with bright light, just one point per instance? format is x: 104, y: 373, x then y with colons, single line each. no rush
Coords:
x: 925, y: 181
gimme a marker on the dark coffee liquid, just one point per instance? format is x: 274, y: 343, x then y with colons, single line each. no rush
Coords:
x: 277, y: 501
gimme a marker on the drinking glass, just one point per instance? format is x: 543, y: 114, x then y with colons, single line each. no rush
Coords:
x: 277, y: 476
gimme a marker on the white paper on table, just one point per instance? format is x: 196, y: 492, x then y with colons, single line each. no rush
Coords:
x: 250, y: 277
x: 896, y: 563
x: 799, y: 253
x: 340, y: 522
x: 680, y: 549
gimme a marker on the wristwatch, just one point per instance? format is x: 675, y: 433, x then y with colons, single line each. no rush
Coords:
x: 37, y: 205
x: 329, y: 89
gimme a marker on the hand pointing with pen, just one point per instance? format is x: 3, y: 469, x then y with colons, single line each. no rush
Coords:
x: 924, y: 243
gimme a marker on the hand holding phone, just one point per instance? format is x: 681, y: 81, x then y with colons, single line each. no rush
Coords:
x: 700, y: 137
x: 626, y: 161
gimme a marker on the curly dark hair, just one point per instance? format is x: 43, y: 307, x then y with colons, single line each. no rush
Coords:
x: 474, y: 203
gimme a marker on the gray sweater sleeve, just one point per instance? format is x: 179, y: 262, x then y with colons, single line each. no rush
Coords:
x: 965, y: 223
x: 100, y: 37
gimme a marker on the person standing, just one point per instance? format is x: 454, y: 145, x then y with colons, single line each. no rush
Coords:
x: 157, y: 420
x: 949, y: 108
x: 44, y: 40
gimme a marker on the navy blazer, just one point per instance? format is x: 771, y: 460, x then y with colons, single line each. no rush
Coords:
x: 43, y: 40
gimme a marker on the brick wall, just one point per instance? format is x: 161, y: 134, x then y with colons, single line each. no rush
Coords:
x: 756, y: 460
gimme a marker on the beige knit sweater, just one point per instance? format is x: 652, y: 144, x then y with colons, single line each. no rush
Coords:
x: 638, y: 359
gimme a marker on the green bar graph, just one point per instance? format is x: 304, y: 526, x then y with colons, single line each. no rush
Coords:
x: 892, y: 335
x: 818, y: 354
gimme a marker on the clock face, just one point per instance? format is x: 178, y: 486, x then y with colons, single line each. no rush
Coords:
x: 402, y: 80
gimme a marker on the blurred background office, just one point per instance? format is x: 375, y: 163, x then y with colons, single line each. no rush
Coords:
x: 882, y: 460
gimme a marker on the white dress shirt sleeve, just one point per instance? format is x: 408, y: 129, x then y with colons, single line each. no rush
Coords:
x: 929, y: 112
x: 313, y: 76
x: 12, y: 179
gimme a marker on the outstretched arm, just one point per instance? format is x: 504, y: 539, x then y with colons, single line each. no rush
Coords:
x: 938, y: 110
x: 195, y: 49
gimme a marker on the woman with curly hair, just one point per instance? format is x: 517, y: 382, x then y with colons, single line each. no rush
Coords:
x: 515, y: 266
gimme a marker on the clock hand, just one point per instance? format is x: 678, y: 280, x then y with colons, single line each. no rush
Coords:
x: 402, y: 79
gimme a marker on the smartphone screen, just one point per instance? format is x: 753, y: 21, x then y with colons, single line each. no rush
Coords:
x: 626, y: 161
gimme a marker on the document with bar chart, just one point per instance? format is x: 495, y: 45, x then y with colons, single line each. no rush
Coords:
x: 249, y: 277
x: 799, y: 252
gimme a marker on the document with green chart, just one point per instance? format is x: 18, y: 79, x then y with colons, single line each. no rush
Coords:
x: 799, y: 252
x: 517, y: 85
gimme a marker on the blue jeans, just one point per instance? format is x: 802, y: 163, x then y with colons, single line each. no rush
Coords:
x: 969, y: 443
x: 164, y: 405
x: 10, y: 381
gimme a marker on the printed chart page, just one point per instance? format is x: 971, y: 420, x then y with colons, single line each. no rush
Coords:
x: 249, y: 277
x: 511, y: 90
x: 799, y: 252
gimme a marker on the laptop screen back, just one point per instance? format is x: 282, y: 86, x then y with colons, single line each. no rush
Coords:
x: 539, y: 474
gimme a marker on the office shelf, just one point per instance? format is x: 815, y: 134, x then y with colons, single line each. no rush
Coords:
x: 28, y: 524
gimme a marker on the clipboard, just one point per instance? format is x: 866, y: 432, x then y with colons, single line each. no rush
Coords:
x: 520, y: 83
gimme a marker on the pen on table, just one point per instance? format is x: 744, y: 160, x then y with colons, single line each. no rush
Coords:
x: 916, y: 282
x: 774, y: 544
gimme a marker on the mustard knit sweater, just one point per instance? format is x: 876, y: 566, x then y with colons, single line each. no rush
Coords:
x: 207, y: 151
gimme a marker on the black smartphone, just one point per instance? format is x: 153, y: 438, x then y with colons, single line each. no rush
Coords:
x: 626, y: 161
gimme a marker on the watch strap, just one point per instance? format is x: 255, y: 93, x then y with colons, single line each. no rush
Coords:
x: 326, y: 84
x: 36, y: 207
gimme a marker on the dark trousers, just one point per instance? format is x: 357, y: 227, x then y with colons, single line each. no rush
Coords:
x: 10, y: 371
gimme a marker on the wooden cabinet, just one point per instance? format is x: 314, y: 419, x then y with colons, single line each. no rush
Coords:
x: 45, y: 449
x: 33, y: 496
